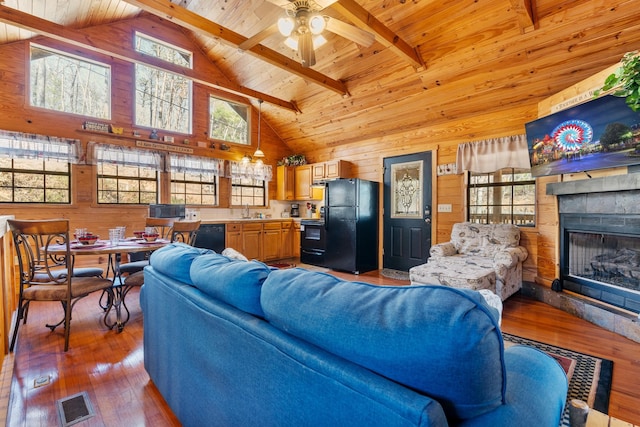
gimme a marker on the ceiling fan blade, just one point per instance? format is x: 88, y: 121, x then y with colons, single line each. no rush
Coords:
x: 324, y: 3
x: 257, y: 38
x: 281, y: 3
x: 305, y: 50
x: 350, y: 32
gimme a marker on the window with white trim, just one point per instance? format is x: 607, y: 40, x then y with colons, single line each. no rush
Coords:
x: 70, y: 84
x: 163, y: 99
x: 229, y: 121
x: 126, y: 176
x: 507, y: 196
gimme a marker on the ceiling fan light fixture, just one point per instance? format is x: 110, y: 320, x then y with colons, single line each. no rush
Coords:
x: 318, y: 41
x: 291, y: 43
x: 317, y: 24
x: 286, y: 26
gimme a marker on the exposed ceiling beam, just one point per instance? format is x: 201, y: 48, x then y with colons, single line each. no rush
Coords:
x: 200, y: 25
x: 77, y: 38
x: 366, y: 21
x: 524, y: 13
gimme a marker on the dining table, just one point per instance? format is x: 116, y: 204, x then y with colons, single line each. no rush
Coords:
x: 115, y: 298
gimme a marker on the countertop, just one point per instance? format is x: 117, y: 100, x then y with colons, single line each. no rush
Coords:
x: 243, y: 220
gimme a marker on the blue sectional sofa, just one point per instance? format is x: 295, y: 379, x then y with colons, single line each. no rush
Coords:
x: 237, y: 343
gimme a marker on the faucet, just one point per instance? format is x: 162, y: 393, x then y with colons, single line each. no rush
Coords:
x: 245, y: 211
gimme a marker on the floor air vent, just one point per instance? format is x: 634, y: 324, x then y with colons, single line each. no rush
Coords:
x: 74, y: 409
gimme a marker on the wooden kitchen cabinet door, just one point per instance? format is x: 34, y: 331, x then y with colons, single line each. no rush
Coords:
x: 252, y: 241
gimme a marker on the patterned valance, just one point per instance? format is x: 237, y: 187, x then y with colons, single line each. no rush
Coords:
x: 197, y: 165
x: 249, y: 170
x: 18, y: 145
x: 126, y: 156
x: 493, y: 154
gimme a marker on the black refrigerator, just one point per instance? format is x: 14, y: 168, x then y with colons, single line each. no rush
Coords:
x: 351, y: 225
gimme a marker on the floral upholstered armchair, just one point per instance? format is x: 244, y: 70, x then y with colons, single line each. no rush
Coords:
x: 479, y: 256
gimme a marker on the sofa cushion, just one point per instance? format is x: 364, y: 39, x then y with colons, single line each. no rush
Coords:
x: 175, y: 260
x: 441, y: 341
x: 238, y: 283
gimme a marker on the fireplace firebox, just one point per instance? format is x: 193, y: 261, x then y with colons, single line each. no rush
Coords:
x: 600, y: 257
x: 600, y: 238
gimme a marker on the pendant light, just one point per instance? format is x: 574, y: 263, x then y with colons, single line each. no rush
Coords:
x: 259, y: 154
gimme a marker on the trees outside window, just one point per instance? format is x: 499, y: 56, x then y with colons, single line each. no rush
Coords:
x: 69, y: 84
x: 506, y: 196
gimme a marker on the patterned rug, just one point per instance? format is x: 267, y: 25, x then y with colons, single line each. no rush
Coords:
x: 589, y: 376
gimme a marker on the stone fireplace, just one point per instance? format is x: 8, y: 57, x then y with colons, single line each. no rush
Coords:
x: 600, y: 238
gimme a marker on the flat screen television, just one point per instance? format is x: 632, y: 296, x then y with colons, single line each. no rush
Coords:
x: 601, y: 133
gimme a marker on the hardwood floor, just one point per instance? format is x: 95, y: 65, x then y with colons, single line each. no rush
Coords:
x: 109, y: 366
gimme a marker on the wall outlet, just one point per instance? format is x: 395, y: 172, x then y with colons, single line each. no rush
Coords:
x: 444, y: 207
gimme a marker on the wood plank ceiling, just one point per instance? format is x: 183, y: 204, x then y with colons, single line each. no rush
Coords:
x: 432, y: 62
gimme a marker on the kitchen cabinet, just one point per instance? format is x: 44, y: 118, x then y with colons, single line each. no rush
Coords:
x: 233, y: 238
x: 285, y: 183
x: 271, y: 241
x: 303, y: 181
x: 331, y: 169
x: 286, y: 244
x: 266, y: 241
x: 252, y: 240
x: 295, y: 225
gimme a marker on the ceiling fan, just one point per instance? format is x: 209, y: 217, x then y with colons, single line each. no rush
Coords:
x: 302, y: 23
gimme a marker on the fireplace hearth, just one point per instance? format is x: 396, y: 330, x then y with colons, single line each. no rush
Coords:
x: 600, y: 238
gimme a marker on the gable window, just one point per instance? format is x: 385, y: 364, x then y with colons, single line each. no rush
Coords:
x: 36, y: 168
x: 126, y: 176
x: 70, y: 84
x: 506, y: 196
x: 163, y: 98
x: 228, y: 121
x: 194, y: 180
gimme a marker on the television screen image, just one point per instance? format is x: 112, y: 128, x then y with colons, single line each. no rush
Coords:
x: 602, y: 133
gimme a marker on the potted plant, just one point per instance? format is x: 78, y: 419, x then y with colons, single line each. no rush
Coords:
x: 625, y: 81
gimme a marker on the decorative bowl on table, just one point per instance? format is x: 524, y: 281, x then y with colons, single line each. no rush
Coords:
x: 150, y: 237
x: 138, y: 234
x: 88, y: 239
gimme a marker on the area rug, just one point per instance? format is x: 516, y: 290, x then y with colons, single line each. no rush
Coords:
x: 589, y: 376
x: 282, y: 265
x: 395, y: 274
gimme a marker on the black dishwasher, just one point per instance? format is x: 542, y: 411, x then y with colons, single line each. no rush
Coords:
x: 211, y: 236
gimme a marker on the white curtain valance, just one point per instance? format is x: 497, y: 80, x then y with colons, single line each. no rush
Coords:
x: 126, y: 156
x: 200, y: 165
x: 248, y: 170
x: 493, y: 154
x: 18, y: 145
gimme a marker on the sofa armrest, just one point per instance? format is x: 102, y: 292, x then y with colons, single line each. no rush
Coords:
x: 535, y: 394
x: 443, y: 249
x: 510, y: 257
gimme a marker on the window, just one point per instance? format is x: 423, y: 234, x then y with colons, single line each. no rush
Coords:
x: 506, y: 196
x: 34, y: 181
x: 228, y: 121
x: 66, y: 83
x: 161, y: 50
x: 194, y: 180
x: 127, y: 176
x: 248, y: 191
x: 163, y: 99
x: 249, y: 183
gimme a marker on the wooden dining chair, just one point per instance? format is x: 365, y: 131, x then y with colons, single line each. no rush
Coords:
x: 43, y: 274
x: 182, y: 231
x: 139, y: 260
x: 185, y: 231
